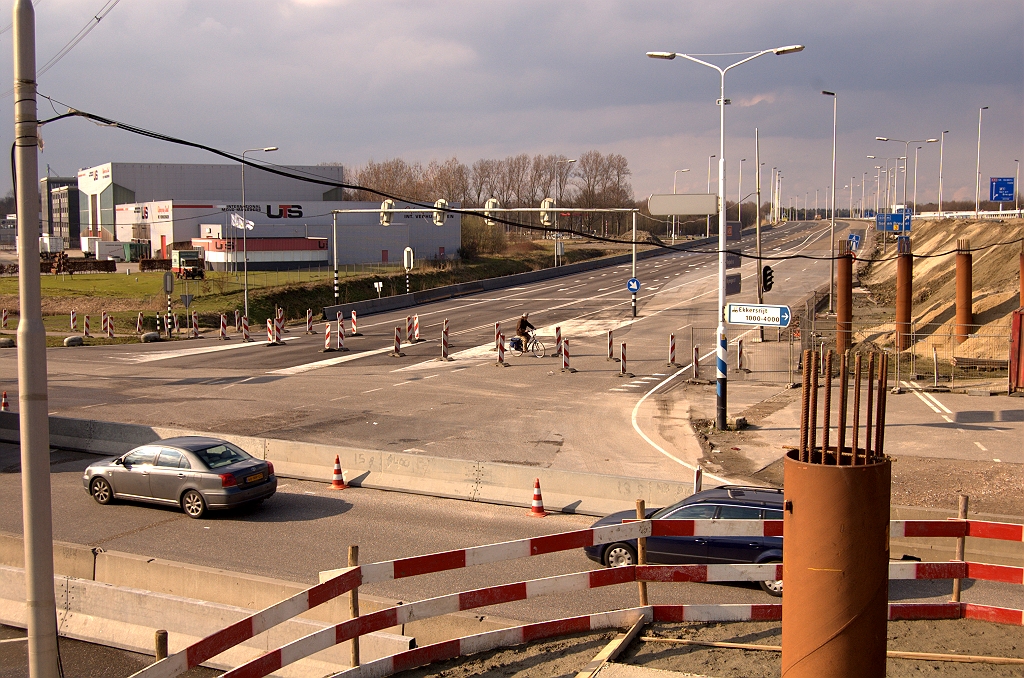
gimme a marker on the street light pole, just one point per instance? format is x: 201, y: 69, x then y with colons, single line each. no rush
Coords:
x: 37, y: 517
x: 832, y: 221
x: 722, y: 344
x: 675, y: 175
x: 942, y: 144
x: 915, y: 178
x: 739, y: 202
x: 245, y: 227
x: 708, y: 233
x: 1016, y: 189
x: 558, y: 200
x: 977, y: 177
x: 757, y: 218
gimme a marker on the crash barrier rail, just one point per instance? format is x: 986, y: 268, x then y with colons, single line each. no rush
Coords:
x: 337, y: 582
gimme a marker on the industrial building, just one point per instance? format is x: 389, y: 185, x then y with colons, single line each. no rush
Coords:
x: 283, y: 235
x: 58, y: 197
x: 103, y: 187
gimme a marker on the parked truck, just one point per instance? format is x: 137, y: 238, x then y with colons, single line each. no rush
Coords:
x: 188, y: 264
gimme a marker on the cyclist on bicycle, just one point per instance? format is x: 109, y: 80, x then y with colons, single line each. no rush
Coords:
x: 521, y: 330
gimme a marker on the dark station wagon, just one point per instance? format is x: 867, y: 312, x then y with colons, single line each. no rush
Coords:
x: 194, y: 472
x: 728, y: 502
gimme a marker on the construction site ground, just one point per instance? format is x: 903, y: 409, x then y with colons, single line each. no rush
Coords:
x: 569, y: 655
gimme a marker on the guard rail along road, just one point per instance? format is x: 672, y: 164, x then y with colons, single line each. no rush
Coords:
x: 337, y: 582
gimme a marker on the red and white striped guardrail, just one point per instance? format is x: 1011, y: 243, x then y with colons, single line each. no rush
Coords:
x: 223, y: 326
x: 337, y: 582
x: 355, y: 329
x: 558, y: 340
x: 270, y: 331
x: 245, y: 328
x: 85, y: 326
x: 341, y: 323
x: 3, y: 322
x: 74, y: 320
x: 195, y: 325
x: 340, y: 343
x: 671, y: 350
x: 501, y: 351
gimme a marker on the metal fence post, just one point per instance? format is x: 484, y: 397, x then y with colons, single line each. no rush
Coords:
x: 641, y: 550
x: 353, y: 561
x: 961, y: 514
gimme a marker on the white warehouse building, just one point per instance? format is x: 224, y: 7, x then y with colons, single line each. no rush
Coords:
x: 183, y: 224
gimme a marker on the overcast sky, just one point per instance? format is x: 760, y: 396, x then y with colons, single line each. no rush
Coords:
x: 346, y: 81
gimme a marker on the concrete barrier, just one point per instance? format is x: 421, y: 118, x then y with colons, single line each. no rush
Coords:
x: 567, y: 491
x: 73, y: 560
x: 127, y: 617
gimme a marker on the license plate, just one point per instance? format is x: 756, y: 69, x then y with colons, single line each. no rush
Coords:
x: 254, y: 477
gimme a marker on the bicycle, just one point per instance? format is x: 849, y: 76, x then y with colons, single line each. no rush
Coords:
x: 533, y: 345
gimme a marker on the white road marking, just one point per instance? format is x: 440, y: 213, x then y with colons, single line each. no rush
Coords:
x: 374, y: 389
x: 981, y: 447
x: 185, y: 352
x: 306, y: 367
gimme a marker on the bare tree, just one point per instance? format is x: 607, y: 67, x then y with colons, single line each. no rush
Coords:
x: 449, y: 180
x: 482, y: 180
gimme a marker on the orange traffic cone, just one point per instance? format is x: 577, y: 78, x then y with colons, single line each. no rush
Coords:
x: 338, y: 480
x: 4, y: 405
x: 537, y: 509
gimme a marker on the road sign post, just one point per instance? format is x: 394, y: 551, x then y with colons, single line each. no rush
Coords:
x: 758, y: 314
x: 407, y: 259
x: 633, y: 285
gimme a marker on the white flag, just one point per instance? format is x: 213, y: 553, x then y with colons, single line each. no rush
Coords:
x: 236, y: 221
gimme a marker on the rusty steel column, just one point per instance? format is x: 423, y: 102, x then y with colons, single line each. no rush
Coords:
x: 836, y: 569
x: 1022, y: 274
x: 964, y: 291
x: 844, y: 298
x: 904, y: 291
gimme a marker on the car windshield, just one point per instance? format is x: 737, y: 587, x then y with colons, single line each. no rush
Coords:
x: 669, y: 509
x: 224, y: 454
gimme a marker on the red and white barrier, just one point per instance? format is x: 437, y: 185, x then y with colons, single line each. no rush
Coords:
x: 245, y: 329
x: 85, y: 326
x: 3, y: 322
x: 696, y: 361
x: 309, y: 320
x: 327, y: 338
x: 138, y: 323
x: 74, y: 320
x: 611, y: 353
x: 501, y: 352
x: 355, y: 329
x: 408, y: 330
x: 279, y: 326
x: 110, y: 327
x: 622, y: 359
x: 698, y: 479
x: 671, y: 350
x: 4, y: 405
x: 537, y: 505
x: 238, y: 321
x: 341, y: 324
x: 337, y: 582
x: 566, y: 356
x: 103, y: 322
x: 397, y: 352
x: 558, y: 340
x: 339, y: 343
x: 416, y: 327
x: 195, y: 325
x: 270, y: 331
x: 223, y: 326
x: 497, y: 335
x: 177, y: 328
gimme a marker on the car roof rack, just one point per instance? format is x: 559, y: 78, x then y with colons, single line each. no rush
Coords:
x: 738, y: 490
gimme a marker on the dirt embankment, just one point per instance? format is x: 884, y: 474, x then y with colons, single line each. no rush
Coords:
x: 996, y: 272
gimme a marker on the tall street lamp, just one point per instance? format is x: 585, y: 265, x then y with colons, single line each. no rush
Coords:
x: 832, y: 221
x: 977, y: 176
x: 722, y: 367
x: 1016, y: 188
x: 739, y: 202
x: 708, y: 234
x: 245, y: 227
x: 942, y: 144
x: 915, y: 177
x: 675, y: 175
x: 906, y: 154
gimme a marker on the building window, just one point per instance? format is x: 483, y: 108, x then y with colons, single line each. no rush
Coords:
x: 383, y: 256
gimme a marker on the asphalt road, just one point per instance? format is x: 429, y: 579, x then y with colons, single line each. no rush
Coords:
x: 307, y: 528
x: 530, y: 413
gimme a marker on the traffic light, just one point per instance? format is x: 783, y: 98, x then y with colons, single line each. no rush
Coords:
x: 385, y: 214
x: 439, y: 215
x: 546, y: 217
x: 767, y: 279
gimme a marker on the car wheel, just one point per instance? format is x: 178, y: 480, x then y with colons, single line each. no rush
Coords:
x: 620, y: 554
x: 193, y: 504
x: 773, y: 587
x: 101, y: 491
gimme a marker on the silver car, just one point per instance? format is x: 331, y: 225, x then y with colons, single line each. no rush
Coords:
x: 193, y: 472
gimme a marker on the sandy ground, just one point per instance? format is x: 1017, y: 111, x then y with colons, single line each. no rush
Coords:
x: 567, y: 656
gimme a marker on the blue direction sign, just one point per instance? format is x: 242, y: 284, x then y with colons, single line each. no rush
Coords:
x: 633, y: 285
x: 895, y: 222
x: 1000, y: 189
x: 757, y: 314
x: 854, y: 241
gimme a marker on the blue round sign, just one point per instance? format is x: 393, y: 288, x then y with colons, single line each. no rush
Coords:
x: 633, y: 285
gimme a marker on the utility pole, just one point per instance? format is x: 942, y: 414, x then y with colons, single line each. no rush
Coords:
x: 757, y: 212
x: 32, y: 397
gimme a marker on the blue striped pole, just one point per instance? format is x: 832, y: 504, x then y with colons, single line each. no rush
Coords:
x: 721, y: 371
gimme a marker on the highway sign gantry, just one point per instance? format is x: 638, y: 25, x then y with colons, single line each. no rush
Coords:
x: 898, y: 222
x: 757, y: 314
x: 633, y: 285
